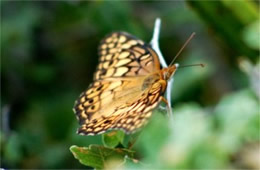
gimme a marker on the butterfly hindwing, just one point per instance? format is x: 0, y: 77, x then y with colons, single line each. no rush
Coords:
x: 128, y: 117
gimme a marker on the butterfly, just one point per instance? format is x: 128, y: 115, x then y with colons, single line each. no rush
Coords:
x: 128, y: 84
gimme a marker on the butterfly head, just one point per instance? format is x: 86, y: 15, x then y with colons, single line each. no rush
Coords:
x: 168, y: 72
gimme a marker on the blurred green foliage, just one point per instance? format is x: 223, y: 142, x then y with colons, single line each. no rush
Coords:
x: 196, y: 139
x: 48, y: 57
x: 228, y: 23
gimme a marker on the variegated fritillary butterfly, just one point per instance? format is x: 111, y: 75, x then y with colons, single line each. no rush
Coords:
x: 128, y: 85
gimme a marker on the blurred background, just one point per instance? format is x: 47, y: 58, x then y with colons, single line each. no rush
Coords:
x: 49, y: 54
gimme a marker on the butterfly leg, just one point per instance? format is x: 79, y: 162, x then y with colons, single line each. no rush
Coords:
x: 163, y: 108
x: 131, y: 143
x: 133, y: 140
x: 169, y: 109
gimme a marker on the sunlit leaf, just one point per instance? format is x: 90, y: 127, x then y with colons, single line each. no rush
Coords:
x: 96, y: 156
x: 112, y: 139
x: 252, y: 35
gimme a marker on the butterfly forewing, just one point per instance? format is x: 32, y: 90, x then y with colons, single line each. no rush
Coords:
x: 118, y: 98
x: 123, y: 55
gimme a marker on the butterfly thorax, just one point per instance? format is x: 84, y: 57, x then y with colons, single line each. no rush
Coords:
x: 150, y: 80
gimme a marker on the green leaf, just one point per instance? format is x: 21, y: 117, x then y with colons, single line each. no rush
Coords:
x: 96, y: 156
x: 112, y: 139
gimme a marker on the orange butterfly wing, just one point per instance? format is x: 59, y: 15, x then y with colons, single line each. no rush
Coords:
x: 126, y: 87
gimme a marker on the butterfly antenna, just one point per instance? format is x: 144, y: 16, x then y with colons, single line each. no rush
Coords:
x: 184, y: 45
x: 191, y: 65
